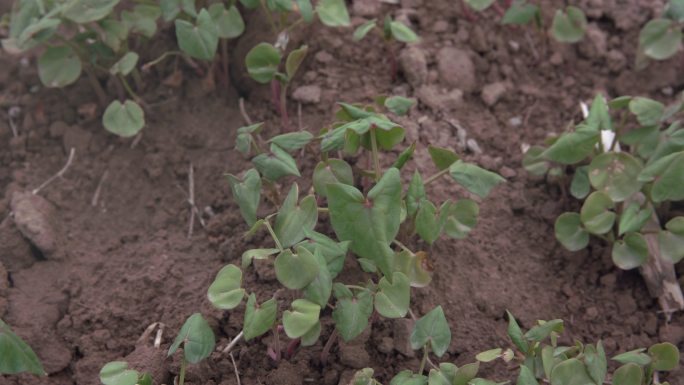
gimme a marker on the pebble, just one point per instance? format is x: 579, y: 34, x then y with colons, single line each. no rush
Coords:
x: 354, y: 356
x: 413, y: 65
x: 472, y: 145
x: 310, y: 94
x: 507, y: 172
x: 324, y: 57
x: 491, y: 93
x: 433, y: 98
x: 515, y: 121
x: 34, y: 217
x: 456, y: 69
x: 626, y: 304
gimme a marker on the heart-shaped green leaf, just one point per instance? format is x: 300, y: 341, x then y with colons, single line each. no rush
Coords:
x: 301, y: 319
x: 262, y: 62
x: 306, y: 10
x: 351, y: 314
x: 648, y: 112
x: 59, y: 66
x: 292, y: 141
x: 459, y: 218
x: 407, y: 377
x: 628, y: 374
x: 569, y: 232
x: 580, y: 186
x: 247, y: 193
x: 432, y: 328
x: 142, y: 20
x: 170, y: 9
x: 667, y: 175
x: 258, y: 318
x: 615, y: 173
x: 473, y: 178
x: 197, y: 339
x: 428, y: 225
x: 295, y: 271
x: 671, y: 240
x: 665, y: 356
x: 415, y: 194
x: 228, y: 22
x: 442, y: 157
x: 310, y: 337
x: 401, y: 32
x: 630, y: 252
x: 635, y: 356
x: 225, y: 292
x: 569, y: 26
x: 520, y: 13
x: 399, y: 105
x: 544, y: 329
x: 633, y: 218
x: 117, y: 373
x: 597, y: 364
x: 294, y: 220
x: 199, y: 40
x: 362, y: 30
x: 250, y: 255
x: 596, y: 215
x: 573, y: 147
x: 17, y: 356
x: 333, y: 13
x: 526, y: 377
x: 295, y: 60
x: 125, y: 120
x: 393, y: 298
x: 370, y: 223
x: 333, y: 252
x: 320, y: 289
x: 515, y: 333
x: 125, y: 65
x: 479, y: 5
x: 570, y: 372
x: 245, y: 137
x: 414, y: 267
x: 535, y: 163
x: 660, y: 39
x: 277, y: 164
x: 331, y: 171
x: 86, y: 11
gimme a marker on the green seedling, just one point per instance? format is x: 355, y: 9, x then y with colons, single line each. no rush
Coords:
x: 661, y: 38
x: 17, y: 356
x: 118, y: 373
x: 567, y: 26
x: 537, y: 356
x: 626, y: 172
x: 198, y: 342
x: 392, y: 31
x: 264, y: 61
x: 369, y: 222
x: 91, y: 37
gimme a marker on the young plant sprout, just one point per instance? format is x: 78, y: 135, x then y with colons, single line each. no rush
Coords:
x: 263, y: 62
x: 391, y: 31
x: 87, y: 36
x: 627, y: 184
x: 538, y: 361
x: 369, y: 224
x: 118, y: 373
x: 16, y: 355
x: 661, y: 38
x: 198, y: 342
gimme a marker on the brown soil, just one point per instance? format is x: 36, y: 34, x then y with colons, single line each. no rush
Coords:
x: 126, y: 262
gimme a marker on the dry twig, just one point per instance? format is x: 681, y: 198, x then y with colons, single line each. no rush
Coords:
x: 59, y: 174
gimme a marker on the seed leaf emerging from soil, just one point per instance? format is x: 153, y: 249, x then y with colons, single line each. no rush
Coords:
x: 197, y: 339
x: 432, y: 329
x: 198, y: 40
x: 226, y: 292
x: 124, y: 119
x: 59, y: 67
x: 569, y: 26
x: 259, y: 318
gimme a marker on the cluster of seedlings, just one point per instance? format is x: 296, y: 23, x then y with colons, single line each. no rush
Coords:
x: 626, y: 174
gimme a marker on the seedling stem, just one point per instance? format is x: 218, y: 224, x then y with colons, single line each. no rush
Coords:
x: 424, y: 360
x: 181, y: 376
x: 436, y: 176
x: 376, y: 158
x: 273, y: 235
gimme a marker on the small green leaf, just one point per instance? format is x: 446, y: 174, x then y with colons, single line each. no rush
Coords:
x: 597, y: 364
x: 125, y: 65
x: 580, y: 186
x: 351, y: 314
x: 247, y: 193
x: 197, y: 339
x: 301, y: 319
x: 401, y: 32
x: 667, y: 175
x: 228, y: 22
x: 534, y: 162
x: 86, y: 11
x: 526, y: 377
x: 415, y: 194
x: 570, y: 372
x: 628, y: 374
x: 569, y: 26
x: 432, y: 328
x: 633, y: 218
x: 294, y: 220
x: 520, y: 13
x: 428, y: 225
x: 647, y: 111
x: 630, y: 252
x: 117, y: 373
x: 295, y: 271
x: 665, y: 356
x: 671, y: 240
x: 201, y: 40
x: 333, y: 252
x: 250, y: 255
x: 225, y: 292
x: 295, y: 60
x: 570, y: 233
x: 480, y: 5
x: 17, y: 356
x: 414, y: 267
x: 635, y: 356
x: 125, y: 120
x: 660, y: 39
x: 473, y: 178
x: 170, y: 9
x: 404, y: 156
x: 399, y: 105
x: 543, y: 330
x: 305, y: 9
x: 596, y: 215
x: 407, y: 377
x: 392, y: 298
x: 362, y: 30
x: 292, y: 141
x: 188, y: 7
x: 442, y: 157
x: 331, y: 171
x: 460, y: 218
x: 276, y: 165
x: 516, y: 334
x: 259, y: 318
x: 466, y: 373
x: 262, y: 62
x: 59, y: 66
x: 571, y: 148
x: 333, y: 13
x: 320, y: 289
x: 489, y: 355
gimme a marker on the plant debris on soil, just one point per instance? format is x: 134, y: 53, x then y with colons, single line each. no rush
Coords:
x: 101, y: 253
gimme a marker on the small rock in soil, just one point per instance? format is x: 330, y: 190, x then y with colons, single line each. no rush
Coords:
x: 626, y: 304
x: 402, y: 329
x: 354, y: 356
x: 14, y: 250
x: 323, y: 57
x: 307, y: 94
x: 386, y: 345
x: 650, y: 326
x: 491, y: 93
x: 366, y: 8
x: 433, y: 98
x: 77, y: 138
x: 35, y: 218
x: 413, y: 65
x: 54, y: 353
x: 507, y: 172
x: 440, y: 26
x: 456, y: 69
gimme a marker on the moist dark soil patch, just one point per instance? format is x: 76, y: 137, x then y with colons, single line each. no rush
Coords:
x: 126, y: 262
